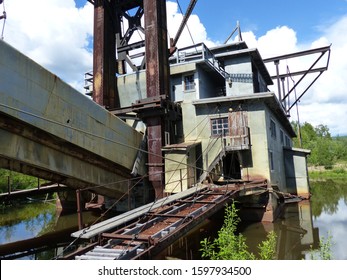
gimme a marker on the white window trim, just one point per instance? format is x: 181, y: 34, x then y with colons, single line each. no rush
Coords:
x: 184, y: 83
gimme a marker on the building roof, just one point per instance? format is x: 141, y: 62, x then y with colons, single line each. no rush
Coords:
x: 229, y: 47
x: 236, y: 50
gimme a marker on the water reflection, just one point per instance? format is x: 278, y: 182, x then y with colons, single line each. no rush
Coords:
x: 296, y: 233
x: 25, y: 220
x: 305, y: 224
x: 36, y: 230
x: 329, y: 211
x: 299, y: 229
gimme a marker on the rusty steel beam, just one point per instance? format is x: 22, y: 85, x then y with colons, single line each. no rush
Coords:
x: 157, y: 63
x: 184, y: 21
x: 157, y: 84
x: 104, y: 68
x: 109, y: 36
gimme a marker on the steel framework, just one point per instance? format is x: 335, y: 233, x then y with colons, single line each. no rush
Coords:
x: 285, y: 95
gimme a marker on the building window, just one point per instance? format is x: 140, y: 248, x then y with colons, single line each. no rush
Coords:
x: 189, y: 83
x: 281, y: 136
x: 272, y: 166
x: 273, y: 129
x: 288, y: 144
x: 220, y: 127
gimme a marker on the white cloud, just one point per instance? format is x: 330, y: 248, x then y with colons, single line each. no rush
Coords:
x: 278, y: 41
x: 57, y: 35
x: 193, y: 34
x: 53, y: 33
x: 329, y: 92
x: 326, y: 101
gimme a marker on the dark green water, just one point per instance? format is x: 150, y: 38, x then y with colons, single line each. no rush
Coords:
x: 299, y: 230
x: 38, y: 219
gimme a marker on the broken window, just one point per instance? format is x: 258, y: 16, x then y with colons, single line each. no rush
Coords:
x: 220, y: 127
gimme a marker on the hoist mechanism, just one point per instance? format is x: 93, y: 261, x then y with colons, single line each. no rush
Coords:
x: 115, y: 24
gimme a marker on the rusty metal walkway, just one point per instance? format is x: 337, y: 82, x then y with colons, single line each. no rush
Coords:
x: 144, y: 232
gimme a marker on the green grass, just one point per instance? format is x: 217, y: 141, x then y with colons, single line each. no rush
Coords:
x: 339, y: 172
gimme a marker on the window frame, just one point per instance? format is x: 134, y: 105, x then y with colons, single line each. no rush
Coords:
x: 189, y: 82
x: 273, y: 129
x: 282, y: 137
x: 287, y: 141
x: 220, y: 126
x: 272, y: 162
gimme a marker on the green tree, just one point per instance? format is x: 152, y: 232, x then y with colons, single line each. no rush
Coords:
x: 323, y: 153
x: 17, y: 181
x: 324, y: 149
x: 308, y: 135
x: 322, y: 131
x: 340, y: 148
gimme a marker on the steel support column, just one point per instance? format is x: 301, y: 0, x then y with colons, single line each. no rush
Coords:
x: 104, y: 64
x: 157, y: 83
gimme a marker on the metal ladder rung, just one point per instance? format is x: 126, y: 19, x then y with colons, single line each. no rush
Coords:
x: 106, y: 250
x: 86, y: 257
x: 102, y: 254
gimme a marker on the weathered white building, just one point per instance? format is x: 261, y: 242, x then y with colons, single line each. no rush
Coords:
x: 233, y: 128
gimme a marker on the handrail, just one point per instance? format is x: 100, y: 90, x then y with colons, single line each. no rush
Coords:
x: 198, y: 52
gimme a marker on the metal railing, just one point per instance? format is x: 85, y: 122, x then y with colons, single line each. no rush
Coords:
x: 88, y: 83
x: 198, y: 52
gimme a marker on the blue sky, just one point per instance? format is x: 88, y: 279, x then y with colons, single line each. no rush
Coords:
x: 307, y: 17
x: 57, y: 34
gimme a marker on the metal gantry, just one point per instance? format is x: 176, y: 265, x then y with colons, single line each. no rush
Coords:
x: 121, y: 40
x: 285, y: 95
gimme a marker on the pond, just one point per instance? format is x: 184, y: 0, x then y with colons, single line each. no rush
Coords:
x: 35, y: 229
x: 300, y: 229
x: 329, y: 212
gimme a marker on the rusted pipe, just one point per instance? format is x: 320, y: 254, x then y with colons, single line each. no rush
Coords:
x: 79, y: 209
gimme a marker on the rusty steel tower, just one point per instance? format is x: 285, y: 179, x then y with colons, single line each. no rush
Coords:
x: 122, y: 44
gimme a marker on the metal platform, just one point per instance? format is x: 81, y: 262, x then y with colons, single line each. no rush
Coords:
x: 146, y: 231
x: 142, y: 233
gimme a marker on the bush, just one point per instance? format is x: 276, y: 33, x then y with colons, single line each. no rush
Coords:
x: 340, y: 171
x: 231, y: 246
x: 324, y: 251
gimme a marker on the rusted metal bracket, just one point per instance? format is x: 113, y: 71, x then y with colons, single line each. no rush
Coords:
x: 198, y: 201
